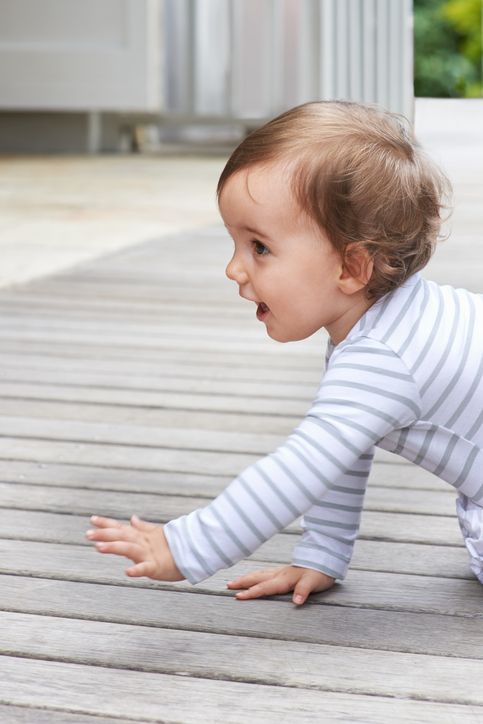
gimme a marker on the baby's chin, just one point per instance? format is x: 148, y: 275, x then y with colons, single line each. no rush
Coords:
x: 288, y: 335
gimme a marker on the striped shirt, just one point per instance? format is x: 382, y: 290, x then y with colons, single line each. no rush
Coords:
x: 408, y: 378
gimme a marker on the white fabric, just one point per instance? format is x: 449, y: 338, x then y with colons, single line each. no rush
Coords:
x: 470, y: 517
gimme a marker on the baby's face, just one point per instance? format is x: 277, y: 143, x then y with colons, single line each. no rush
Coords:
x: 281, y: 262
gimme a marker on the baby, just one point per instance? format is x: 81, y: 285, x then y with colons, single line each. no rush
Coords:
x: 334, y: 209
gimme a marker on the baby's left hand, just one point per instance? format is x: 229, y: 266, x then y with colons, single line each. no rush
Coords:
x: 143, y: 543
x: 272, y: 581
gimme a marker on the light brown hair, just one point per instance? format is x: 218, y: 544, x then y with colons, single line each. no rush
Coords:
x: 359, y: 173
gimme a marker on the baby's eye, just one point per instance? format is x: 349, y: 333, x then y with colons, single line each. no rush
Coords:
x: 259, y: 248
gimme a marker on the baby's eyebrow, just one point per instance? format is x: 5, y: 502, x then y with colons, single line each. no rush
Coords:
x: 254, y: 231
x: 250, y: 230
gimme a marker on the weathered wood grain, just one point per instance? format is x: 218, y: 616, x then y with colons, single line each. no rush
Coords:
x: 127, y: 435
x: 154, y: 604
x: 61, y: 305
x: 155, y: 458
x: 204, y: 356
x: 403, y: 527
x: 280, y: 663
x: 147, y: 416
x: 282, y: 390
x: 187, y: 438
x: 125, y: 387
x: 435, y: 530
x: 33, y: 715
x: 188, y: 699
x: 147, y: 398
x: 380, y: 496
x: 398, y: 480
x: 104, y: 339
x: 98, y: 348
x: 30, y: 545
x: 11, y: 361
x: 361, y: 588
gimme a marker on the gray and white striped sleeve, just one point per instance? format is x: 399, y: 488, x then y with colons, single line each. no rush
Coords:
x: 366, y: 393
x: 330, y: 526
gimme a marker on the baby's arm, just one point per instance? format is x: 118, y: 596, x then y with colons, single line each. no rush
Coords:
x: 325, y: 548
x: 355, y: 408
x: 143, y: 543
x: 332, y: 524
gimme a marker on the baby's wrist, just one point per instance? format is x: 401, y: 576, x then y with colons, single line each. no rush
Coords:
x: 169, y: 564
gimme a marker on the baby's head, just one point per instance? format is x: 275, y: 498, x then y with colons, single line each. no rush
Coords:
x: 359, y: 175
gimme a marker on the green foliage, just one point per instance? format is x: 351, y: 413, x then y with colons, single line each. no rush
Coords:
x: 448, y: 48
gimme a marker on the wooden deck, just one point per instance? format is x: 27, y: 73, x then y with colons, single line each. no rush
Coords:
x: 141, y: 383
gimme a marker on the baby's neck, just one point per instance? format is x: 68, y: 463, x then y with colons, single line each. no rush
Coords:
x: 340, y: 328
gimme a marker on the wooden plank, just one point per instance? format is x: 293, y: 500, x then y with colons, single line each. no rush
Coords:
x: 300, y: 665
x: 201, y: 419
x: 439, y: 530
x: 187, y: 438
x: 121, y: 456
x: 400, y: 482
x: 30, y: 715
x: 436, y: 530
x: 396, y: 591
x: 158, y: 368
x: 188, y: 344
x: 135, y: 457
x: 188, y: 401
x: 383, y: 556
x: 170, y: 438
x: 105, y: 478
x: 228, y: 357
x: 98, y: 690
x: 25, y: 544
x: 407, y: 557
x: 324, y: 622
x: 61, y: 306
x: 203, y: 334
x: 174, y: 482
x: 157, y: 416
x: 163, y: 383
x: 161, y: 291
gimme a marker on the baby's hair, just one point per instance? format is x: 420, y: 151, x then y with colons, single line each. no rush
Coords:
x: 359, y: 173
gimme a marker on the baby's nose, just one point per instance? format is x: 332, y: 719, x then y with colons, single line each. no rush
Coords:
x: 235, y: 272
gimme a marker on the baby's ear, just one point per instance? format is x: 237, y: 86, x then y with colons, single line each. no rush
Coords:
x: 357, y: 268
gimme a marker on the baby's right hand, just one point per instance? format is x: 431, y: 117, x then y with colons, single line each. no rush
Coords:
x: 143, y: 543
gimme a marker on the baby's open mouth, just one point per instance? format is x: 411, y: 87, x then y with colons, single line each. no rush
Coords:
x: 262, y: 310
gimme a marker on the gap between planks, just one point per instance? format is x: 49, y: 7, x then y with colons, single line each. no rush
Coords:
x: 301, y: 665
x: 323, y: 619
x: 189, y: 700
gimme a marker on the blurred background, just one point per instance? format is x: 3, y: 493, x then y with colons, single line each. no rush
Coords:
x: 116, y: 116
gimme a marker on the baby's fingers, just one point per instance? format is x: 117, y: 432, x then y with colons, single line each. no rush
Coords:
x: 101, y: 522
x: 142, y: 524
x: 309, y: 582
x: 267, y: 588
x: 107, y: 535
x: 133, y: 551
x: 251, y: 579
